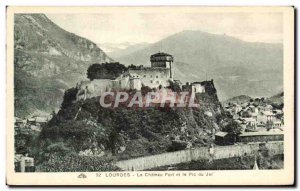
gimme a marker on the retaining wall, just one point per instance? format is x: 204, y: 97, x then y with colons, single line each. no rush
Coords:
x: 148, y: 162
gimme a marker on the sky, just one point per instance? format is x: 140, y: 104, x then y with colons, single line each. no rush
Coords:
x: 136, y: 27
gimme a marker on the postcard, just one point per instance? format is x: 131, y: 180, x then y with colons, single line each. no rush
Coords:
x: 165, y: 95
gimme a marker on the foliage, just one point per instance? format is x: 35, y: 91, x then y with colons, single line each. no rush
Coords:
x: 141, y: 131
x: 25, y: 139
x: 79, y: 134
x: 233, y: 128
x: 77, y: 163
x: 174, y: 86
x: 69, y: 97
x: 134, y: 67
x: 105, y: 70
x: 145, y: 90
x: 32, y: 94
x: 277, y: 106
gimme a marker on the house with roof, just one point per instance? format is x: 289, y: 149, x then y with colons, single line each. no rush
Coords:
x: 277, y: 124
x: 251, y: 123
x: 265, y: 116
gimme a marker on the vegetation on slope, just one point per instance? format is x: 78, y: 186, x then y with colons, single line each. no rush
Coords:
x: 105, y: 70
x: 125, y: 133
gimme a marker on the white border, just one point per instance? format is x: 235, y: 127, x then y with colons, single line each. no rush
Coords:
x: 3, y: 4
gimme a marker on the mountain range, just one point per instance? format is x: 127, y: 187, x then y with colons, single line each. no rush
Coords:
x: 237, y: 67
x: 48, y: 60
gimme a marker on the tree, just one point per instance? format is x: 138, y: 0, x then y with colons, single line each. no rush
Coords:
x: 105, y: 70
x: 145, y: 90
x: 174, y: 86
x: 233, y: 129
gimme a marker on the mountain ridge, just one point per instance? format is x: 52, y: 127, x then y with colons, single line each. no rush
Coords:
x: 50, y: 59
x: 235, y: 65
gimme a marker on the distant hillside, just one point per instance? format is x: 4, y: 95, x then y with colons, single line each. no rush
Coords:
x: 112, y: 47
x: 276, y: 99
x: 48, y: 60
x: 239, y: 99
x: 237, y: 67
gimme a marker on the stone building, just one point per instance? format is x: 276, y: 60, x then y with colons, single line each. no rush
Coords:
x: 160, y: 73
x: 206, y: 86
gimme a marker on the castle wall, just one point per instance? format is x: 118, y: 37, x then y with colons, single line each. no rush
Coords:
x: 153, y: 77
x: 87, y: 89
x: 198, y: 88
x: 123, y: 82
x: 161, y: 64
x: 100, y: 86
x: 135, y: 83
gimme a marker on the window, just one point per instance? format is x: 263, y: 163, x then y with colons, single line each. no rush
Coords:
x: 151, y: 81
x: 151, y: 76
x: 144, y: 76
x: 156, y: 76
x: 157, y: 82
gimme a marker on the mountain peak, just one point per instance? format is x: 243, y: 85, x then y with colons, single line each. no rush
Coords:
x: 235, y: 65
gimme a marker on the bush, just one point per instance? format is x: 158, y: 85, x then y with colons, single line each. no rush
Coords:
x: 77, y: 163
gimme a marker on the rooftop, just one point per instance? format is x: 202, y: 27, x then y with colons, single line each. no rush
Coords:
x: 160, y: 54
x: 221, y: 134
x: 268, y: 113
x: 246, y: 134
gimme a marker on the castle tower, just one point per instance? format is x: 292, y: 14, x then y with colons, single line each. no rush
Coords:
x: 162, y: 60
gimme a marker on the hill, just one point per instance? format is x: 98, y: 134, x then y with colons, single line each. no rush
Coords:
x: 277, y: 101
x: 237, y: 67
x: 86, y: 128
x: 48, y: 60
x: 278, y: 98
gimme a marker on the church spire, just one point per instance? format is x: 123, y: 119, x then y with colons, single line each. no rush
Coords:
x: 255, y: 166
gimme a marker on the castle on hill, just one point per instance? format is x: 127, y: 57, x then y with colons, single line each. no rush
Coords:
x: 158, y: 75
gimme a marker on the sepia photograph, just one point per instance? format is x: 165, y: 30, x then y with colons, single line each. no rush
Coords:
x: 150, y: 95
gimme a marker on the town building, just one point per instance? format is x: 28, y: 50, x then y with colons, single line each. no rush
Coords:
x: 24, y: 163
